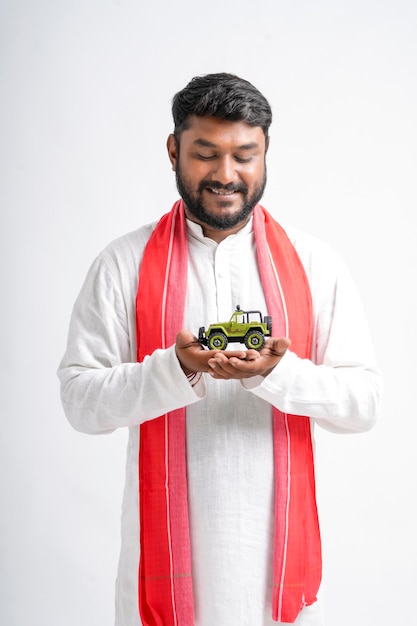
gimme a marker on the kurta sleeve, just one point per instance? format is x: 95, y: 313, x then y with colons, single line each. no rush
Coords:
x: 102, y: 387
x: 340, y: 387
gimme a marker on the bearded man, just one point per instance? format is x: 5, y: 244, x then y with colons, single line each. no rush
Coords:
x: 219, y: 524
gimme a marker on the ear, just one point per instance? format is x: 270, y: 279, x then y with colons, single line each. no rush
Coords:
x: 172, y: 151
x: 267, y: 144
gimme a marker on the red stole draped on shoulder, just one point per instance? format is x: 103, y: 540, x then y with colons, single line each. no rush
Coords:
x: 165, y: 583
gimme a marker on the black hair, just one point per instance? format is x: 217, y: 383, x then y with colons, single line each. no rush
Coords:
x: 221, y: 95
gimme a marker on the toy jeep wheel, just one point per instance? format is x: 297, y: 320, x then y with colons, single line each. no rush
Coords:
x: 268, y: 322
x: 254, y: 339
x: 201, y: 337
x: 217, y: 341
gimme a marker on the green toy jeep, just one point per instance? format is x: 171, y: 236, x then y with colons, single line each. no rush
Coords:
x: 244, y: 327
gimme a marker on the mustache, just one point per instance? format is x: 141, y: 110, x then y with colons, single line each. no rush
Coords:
x: 214, y: 184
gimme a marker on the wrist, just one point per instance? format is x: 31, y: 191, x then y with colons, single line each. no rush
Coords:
x: 194, y: 378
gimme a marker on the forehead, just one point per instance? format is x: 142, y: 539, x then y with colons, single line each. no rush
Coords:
x: 221, y: 133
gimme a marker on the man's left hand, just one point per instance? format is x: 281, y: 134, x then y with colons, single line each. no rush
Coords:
x: 254, y: 363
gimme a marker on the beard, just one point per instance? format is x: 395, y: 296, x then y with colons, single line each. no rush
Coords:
x: 195, y: 204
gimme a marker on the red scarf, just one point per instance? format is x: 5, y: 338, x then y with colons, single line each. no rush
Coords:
x: 165, y: 583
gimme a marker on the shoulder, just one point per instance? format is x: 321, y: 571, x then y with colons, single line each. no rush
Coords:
x: 316, y: 255
x: 307, y: 244
x: 325, y: 268
x: 116, y: 266
x: 124, y: 254
x: 131, y: 244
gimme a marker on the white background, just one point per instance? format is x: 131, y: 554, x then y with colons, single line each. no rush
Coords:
x: 85, y: 92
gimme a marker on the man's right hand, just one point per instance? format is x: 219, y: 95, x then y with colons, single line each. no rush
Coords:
x: 193, y: 357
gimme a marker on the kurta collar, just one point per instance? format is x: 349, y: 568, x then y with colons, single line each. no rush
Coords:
x: 196, y: 232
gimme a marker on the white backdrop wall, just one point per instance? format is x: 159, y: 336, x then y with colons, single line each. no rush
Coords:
x: 85, y: 91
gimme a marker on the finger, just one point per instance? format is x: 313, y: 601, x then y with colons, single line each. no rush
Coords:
x: 186, y: 338
x: 247, y: 366
x: 217, y: 360
x: 227, y: 369
x: 220, y: 366
x: 279, y: 346
x: 252, y: 355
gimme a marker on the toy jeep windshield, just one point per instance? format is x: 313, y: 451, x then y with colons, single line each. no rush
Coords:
x: 246, y: 327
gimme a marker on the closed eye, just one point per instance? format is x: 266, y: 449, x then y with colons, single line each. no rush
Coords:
x: 205, y: 157
x: 243, y: 159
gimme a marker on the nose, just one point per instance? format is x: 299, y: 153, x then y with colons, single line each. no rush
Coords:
x: 225, y: 170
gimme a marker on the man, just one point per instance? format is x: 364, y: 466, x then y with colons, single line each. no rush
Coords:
x: 219, y: 524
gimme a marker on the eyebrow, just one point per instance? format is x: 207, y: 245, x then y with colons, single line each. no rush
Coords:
x: 208, y: 144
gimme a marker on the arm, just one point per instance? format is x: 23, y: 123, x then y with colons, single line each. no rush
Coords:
x: 102, y: 387
x: 340, y: 386
x: 339, y: 398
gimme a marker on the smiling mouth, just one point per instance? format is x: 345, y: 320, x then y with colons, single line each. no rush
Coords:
x: 221, y: 192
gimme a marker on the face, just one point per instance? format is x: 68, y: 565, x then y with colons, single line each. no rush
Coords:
x: 220, y: 172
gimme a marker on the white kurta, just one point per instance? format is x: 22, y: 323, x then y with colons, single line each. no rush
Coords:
x: 229, y: 427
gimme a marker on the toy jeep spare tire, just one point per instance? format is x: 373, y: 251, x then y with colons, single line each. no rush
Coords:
x: 246, y: 327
